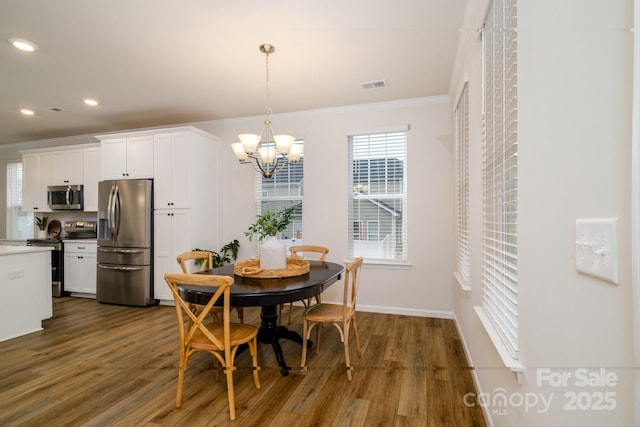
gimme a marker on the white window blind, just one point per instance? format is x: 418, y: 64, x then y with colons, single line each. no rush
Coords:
x: 19, y: 224
x: 499, y: 169
x: 283, y: 190
x: 377, y: 206
x: 462, y: 186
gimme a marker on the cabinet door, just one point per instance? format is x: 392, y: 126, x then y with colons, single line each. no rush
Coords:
x: 91, y: 177
x: 36, y: 178
x: 162, y: 175
x: 67, y: 167
x: 180, y: 168
x: 172, y: 236
x: 171, y: 170
x: 80, y: 272
x: 140, y: 157
x: 113, y: 158
x: 163, y: 262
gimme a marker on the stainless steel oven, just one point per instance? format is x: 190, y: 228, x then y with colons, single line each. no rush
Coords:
x: 57, y: 263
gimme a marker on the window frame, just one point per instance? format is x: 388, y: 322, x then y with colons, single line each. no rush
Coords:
x: 378, y: 177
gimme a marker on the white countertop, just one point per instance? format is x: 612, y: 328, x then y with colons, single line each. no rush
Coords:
x: 13, y: 250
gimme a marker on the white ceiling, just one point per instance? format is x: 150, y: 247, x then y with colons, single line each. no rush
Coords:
x: 166, y: 62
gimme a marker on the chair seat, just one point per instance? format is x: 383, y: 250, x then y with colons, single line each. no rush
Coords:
x: 325, y: 312
x: 239, y: 333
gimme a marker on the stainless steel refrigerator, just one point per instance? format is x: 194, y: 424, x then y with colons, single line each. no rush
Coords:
x: 125, y: 240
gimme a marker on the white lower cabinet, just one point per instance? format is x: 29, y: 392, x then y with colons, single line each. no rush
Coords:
x: 172, y: 236
x: 80, y: 258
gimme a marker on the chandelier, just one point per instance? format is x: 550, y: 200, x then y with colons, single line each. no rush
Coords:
x: 268, y: 153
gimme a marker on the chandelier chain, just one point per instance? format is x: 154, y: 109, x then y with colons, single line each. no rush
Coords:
x: 267, y: 94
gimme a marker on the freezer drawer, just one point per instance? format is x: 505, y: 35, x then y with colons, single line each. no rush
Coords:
x: 124, y: 284
x: 124, y: 256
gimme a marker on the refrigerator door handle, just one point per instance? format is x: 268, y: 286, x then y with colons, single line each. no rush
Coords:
x: 120, y: 250
x: 116, y: 210
x: 120, y: 268
x: 110, y: 212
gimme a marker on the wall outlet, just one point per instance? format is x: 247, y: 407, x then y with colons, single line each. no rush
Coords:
x: 597, y: 248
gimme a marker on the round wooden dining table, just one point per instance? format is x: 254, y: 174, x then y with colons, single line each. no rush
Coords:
x: 268, y: 294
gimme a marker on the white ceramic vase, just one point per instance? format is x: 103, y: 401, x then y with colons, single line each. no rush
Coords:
x: 272, y: 254
x: 42, y: 234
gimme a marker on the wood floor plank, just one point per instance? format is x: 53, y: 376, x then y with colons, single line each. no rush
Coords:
x: 99, y: 364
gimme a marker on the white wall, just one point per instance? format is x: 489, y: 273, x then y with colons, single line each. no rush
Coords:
x: 574, y: 112
x: 419, y: 289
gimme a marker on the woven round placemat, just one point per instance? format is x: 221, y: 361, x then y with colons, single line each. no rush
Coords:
x: 251, y: 268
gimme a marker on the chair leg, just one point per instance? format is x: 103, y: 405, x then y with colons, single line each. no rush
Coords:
x: 345, y: 328
x: 290, y: 310
x: 357, y: 337
x: 240, y: 311
x: 179, y: 391
x: 231, y: 395
x: 305, y: 333
x: 253, y: 350
x: 318, y: 326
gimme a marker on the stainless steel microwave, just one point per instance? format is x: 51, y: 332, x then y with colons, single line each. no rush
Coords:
x: 65, y: 197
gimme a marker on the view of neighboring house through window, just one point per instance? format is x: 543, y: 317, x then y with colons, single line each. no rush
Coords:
x: 377, y: 205
x: 283, y: 190
x: 19, y: 224
x: 462, y: 188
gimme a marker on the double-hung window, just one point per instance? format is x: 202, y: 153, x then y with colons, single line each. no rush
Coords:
x: 500, y: 174
x: 281, y: 191
x: 462, y: 188
x: 19, y: 223
x: 377, y: 203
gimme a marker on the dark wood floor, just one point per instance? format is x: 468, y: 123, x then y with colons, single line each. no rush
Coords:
x: 105, y: 365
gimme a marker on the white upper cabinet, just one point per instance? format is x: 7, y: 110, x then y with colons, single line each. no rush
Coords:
x: 91, y: 177
x: 172, y: 164
x: 126, y: 157
x: 67, y: 167
x: 36, y: 178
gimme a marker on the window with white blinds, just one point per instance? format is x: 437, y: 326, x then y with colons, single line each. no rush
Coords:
x: 19, y: 224
x: 377, y: 205
x: 462, y: 187
x: 500, y: 172
x: 283, y: 190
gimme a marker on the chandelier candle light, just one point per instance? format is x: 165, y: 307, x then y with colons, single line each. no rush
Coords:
x: 267, y: 152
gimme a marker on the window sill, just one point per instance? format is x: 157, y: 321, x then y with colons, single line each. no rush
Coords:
x: 385, y: 263
x: 465, y: 286
x: 513, y: 364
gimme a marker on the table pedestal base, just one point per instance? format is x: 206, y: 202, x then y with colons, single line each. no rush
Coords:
x: 270, y: 333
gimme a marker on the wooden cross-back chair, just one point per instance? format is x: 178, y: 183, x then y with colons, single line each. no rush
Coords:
x: 207, y: 264
x: 306, y: 252
x: 221, y: 339
x: 342, y: 316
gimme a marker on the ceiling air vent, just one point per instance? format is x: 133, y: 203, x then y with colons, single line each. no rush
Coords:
x: 377, y: 84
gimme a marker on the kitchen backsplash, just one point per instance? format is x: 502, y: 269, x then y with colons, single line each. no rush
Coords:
x: 65, y: 216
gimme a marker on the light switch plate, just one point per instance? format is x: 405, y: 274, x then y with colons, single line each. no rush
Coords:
x: 597, y: 248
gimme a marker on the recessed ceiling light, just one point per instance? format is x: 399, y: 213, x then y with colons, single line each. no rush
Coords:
x: 91, y: 102
x: 26, y: 112
x: 24, y: 45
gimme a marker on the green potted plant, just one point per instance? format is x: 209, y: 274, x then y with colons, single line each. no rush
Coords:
x: 41, y: 223
x: 228, y: 253
x: 268, y: 224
